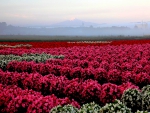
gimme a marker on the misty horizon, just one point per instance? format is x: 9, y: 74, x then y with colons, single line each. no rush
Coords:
x: 130, y: 24
x: 76, y: 28
x: 81, y: 23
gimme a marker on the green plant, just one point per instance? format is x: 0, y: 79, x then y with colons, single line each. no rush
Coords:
x: 3, y: 64
x: 146, y: 101
x: 64, y: 109
x: 43, y: 57
x: 141, y: 111
x: 132, y: 98
x: 145, y: 89
x: 115, y: 107
x: 90, y: 108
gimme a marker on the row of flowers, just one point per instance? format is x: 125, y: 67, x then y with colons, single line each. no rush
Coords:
x: 139, y: 76
x: 44, y: 44
x: 27, y: 57
x: 89, y: 50
x: 81, y: 91
x: 5, y: 59
x: 15, y: 100
x: 132, y: 100
x: 2, y: 46
x: 116, y: 107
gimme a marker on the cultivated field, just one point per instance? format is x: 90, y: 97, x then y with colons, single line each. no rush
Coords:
x: 100, y: 76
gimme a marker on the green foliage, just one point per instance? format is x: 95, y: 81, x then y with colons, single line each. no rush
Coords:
x: 141, y: 111
x: 146, y: 98
x: 145, y: 89
x: 116, y: 107
x: 40, y: 57
x: 146, y: 101
x: 15, y: 46
x: 64, y: 109
x: 5, y: 59
x: 59, y: 57
x: 132, y: 98
x: 90, y: 108
x: 3, y: 64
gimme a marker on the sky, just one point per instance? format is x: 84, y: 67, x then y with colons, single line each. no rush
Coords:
x: 47, y: 12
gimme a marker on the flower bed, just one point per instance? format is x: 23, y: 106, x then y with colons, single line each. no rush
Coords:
x: 34, y: 80
x: 48, y: 44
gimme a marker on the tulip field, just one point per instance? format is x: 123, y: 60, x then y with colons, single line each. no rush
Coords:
x: 75, y: 77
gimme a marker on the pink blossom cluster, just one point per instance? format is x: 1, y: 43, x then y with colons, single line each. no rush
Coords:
x: 9, y: 93
x: 90, y: 90
x: 48, y: 84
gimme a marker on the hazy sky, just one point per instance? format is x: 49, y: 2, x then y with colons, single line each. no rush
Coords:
x: 46, y: 12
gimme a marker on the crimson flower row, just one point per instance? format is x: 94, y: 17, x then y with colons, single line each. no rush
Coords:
x: 15, y: 100
x: 81, y: 91
x: 82, y: 52
x: 52, y: 44
x: 139, y: 76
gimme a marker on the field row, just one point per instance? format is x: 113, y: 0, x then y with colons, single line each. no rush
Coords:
x: 46, y: 44
x: 14, y: 100
x: 139, y: 76
x: 88, y: 90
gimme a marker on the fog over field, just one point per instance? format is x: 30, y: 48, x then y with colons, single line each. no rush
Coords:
x: 73, y: 28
